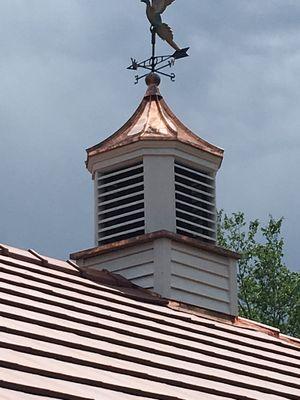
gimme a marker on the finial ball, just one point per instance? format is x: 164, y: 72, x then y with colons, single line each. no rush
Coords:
x: 152, y: 79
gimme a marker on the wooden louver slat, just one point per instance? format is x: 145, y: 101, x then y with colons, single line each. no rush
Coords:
x: 195, y: 203
x: 120, y: 207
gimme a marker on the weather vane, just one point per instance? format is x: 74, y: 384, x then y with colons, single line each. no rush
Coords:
x: 158, y: 27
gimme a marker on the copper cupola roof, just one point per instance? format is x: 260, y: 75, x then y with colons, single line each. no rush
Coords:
x: 153, y: 120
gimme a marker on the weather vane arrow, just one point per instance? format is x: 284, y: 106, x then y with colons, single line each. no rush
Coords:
x: 157, y: 63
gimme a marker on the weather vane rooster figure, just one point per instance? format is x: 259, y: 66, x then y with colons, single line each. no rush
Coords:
x: 154, y: 12
x: 155, y: 64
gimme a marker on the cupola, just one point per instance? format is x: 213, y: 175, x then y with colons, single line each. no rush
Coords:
x: 155, y: 209
x: 154, y: 174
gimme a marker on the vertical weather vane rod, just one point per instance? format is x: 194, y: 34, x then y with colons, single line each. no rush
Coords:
x: 154, y: 10
x: 153, y: 42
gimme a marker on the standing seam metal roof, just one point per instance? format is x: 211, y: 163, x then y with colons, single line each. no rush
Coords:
x: 64, y: 336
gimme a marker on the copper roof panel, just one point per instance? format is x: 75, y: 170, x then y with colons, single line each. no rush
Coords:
x: 33, y: 257
x: 7, y: 394
x: 194, y: 337
x: 96, y: 377
x: 65, y: 336
x: 108, y: 333
x: 154, y: 120
x: 94, y: 291
x: 97, y: 291
x: 152, y: 357
x: 115, y: 312
x: 125, y: 367
x: 68, y: 390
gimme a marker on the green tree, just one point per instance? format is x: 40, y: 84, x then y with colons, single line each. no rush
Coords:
x: 268, y: 291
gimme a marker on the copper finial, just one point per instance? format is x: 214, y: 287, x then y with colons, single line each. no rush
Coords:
x: 152, y: 81
x: 157, y: 63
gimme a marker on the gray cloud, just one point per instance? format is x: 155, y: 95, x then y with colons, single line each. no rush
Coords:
x: 64, y: 87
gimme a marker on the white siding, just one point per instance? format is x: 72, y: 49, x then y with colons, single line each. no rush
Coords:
x: 134, y: 263
x: 198, y: 275
x: 202, y: 278
x: 176, y: 271
x: 145, y: 282
x: 210, y: 263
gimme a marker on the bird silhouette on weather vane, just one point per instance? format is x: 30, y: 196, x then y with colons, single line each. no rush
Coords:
x: 156, y: 64
x: 154, y: 12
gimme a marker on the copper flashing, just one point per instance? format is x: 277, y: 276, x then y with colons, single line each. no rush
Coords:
x: 117, y: 281
x: 153, y: 120
x: 201, y: 312
x: 270, y: 330
x: 149, y: 237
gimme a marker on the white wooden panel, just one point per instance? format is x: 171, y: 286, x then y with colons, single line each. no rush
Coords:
x: 113, y: 189
x: 199, y: 275
x: 119, y: 180
x: 113, y: 255
x: 211, y: 219
x: 196, y: 172
x: 132, y: 273
x: 144, y: 281
x: 159, y: 184
x: 196, y: 251
x: 189, y: 232
x: 199, y: 261
x: 127, y: 214
x: 118, y: 171
x: 200, y: 289
x: 122, y: 263
x: 121, y: 225
x: 139, y: 204
x: 128, y: 196
x: 124, y: 258
x: 162, y: 267
x: 198, y: 300
x: 196, y: 181
x: 197, y: 225
x: 122, y: 189
x: 125, y: 232
x: 196, y: 207
x: 195, y: 185
x: 194, y: 198
x: 195, y: 189
x: 204, y: 278
x: 185, y: 153
x: 233, y: 287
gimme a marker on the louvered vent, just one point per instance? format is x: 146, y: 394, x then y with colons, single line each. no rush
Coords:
x: 195, y: 203
x: 121, y: 204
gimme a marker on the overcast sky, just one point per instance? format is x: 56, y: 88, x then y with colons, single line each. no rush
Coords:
x: 64, y: 87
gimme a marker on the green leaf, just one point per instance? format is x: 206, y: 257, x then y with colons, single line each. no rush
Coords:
x: 268, y: 291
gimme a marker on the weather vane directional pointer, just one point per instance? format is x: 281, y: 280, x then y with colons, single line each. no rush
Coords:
x: 156, y: 63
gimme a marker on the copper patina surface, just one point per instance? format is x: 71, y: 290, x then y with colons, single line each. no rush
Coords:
x: 149, y: 237
x: 154, y: 120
